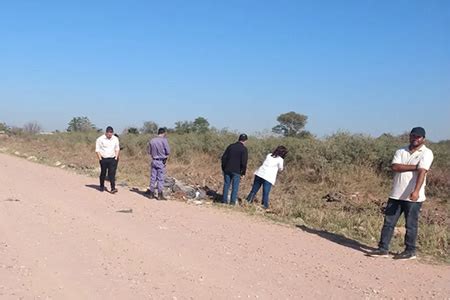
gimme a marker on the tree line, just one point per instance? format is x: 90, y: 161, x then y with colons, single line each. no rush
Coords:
x: 290, y: 124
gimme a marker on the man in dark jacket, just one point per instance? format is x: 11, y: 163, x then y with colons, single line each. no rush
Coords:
x: 234, y: 165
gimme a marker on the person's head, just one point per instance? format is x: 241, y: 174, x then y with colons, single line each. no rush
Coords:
x: 109, y: 132
x: 162, y: 131
x: 417, y: 137
x: 243, y: 138
x: 280, y: 151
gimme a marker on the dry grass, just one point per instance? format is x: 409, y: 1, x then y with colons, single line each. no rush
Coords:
x: 353, y: 166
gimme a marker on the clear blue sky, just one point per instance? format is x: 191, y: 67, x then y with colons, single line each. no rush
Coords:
x: 361, y: 66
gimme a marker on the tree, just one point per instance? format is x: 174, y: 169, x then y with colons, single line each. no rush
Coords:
x: 3, y: 127
x: 149, y: 127
x: 183, y: 126
x: 80, y: 124
x: 16, y: 130
x: 133, y: 130
x: 291, y: 124
x: 200, y: 125
x: 32, y: 127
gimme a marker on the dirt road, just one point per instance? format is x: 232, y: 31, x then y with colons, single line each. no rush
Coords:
x: 62, y: 239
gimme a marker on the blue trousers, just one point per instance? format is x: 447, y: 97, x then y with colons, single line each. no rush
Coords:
x: 257, y: 183
x: 233, y: 180
x: 393, y: 211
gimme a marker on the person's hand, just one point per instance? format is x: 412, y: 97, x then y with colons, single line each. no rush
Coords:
x: 414, y: 196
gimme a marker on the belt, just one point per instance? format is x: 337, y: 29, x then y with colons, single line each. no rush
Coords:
x: 159, y: 159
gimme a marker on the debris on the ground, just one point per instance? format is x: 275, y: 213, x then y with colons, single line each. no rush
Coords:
x: 334, y: 197
x: 12, y: 200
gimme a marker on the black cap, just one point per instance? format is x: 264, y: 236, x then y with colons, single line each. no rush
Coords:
x: 419, y: 131
x: 162, y: 130
x: 109, y: 129
x: 243, y: 137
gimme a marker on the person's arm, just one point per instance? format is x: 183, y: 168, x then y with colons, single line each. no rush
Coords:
x: 117, y: 149
x: 166, y: 148
x: 166, y: 151
x: 281, y: 165
x: 404, y: 168
x: 244, y: 159
x: 224, y: 158
x: 422, y: 168
x: 397, y: 165
x: 97, y: 149
x: 419, y: 182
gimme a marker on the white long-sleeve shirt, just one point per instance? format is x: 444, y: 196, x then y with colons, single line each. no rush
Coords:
x: 270, y: 167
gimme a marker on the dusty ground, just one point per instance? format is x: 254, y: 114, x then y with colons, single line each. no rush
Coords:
x: 62, y: 239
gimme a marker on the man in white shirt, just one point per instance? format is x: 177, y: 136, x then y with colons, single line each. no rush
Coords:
x: 410, y: 164
x: 107, y: 149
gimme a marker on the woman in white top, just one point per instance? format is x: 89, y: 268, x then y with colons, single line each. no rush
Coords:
x: 266, y: 175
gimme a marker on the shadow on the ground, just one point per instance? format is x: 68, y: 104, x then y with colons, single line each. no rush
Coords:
x: 213, y: 195
x: 338, y: 239
x: 93, y: 186
x: 139, y: 192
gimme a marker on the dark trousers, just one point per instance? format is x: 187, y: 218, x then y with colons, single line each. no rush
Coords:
x: 108, y: 166
x: 393, y: 211
x: 257, y: 183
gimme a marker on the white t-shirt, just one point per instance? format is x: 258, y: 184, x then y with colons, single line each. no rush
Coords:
x: 405, y: 182
x: 107, y: 147
x: 270, y: 167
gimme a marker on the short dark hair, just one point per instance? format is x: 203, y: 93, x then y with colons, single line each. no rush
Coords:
x: 243, y: 137
x: 280, y: 151
x: 109, y: 129
x: 162, y: 130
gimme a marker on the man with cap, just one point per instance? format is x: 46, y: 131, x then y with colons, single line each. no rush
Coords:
x: 234, y: 165
x: 410, y: 166
x: 159, y: 150
x: 107, y: 149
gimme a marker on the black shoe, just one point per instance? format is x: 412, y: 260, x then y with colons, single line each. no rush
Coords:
x: 114, y: 190
x: 161, y: 196
x: 101, y: 189
x: 379, y: 253
x: 150, y: 194
x: 406, y: 255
